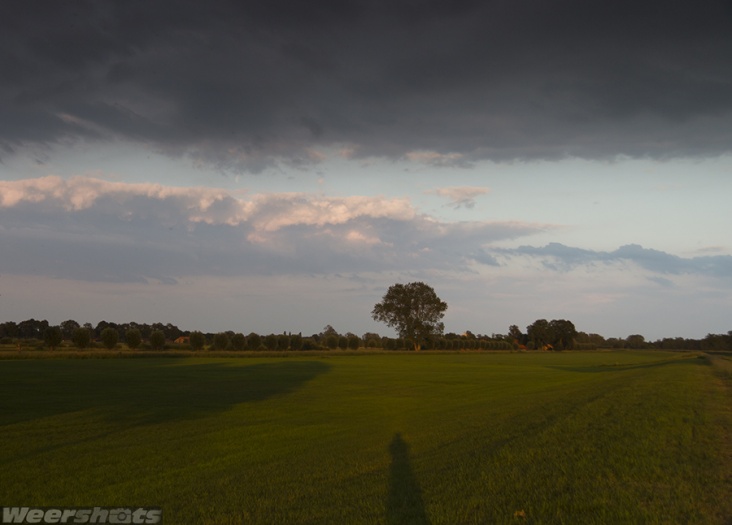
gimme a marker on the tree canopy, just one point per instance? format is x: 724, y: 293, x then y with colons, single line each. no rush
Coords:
x: 414, y: 310
x: 558, y: 333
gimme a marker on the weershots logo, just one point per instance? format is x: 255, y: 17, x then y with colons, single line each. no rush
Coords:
x: 82, y: 515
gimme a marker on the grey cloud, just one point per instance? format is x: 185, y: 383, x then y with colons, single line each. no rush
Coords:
x: 244, y: 84
x: 559, y: 257
x: 662, y: 282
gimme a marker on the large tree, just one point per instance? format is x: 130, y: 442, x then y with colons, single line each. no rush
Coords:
x: 414, y: 310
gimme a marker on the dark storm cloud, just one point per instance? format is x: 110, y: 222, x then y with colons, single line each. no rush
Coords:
x: 244, y: 84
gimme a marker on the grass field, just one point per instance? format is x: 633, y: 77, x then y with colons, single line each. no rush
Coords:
x: 601, y: 437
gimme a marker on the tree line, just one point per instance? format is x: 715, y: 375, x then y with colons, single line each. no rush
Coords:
x: 156, y: 336
x: 540, y: 335
x: 414, y: 310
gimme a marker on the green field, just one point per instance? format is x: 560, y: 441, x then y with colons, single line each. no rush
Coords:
x: 621, y: 437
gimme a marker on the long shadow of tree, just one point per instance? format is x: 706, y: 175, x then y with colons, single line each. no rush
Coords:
x: 404, y: 503
x: 141, y: 391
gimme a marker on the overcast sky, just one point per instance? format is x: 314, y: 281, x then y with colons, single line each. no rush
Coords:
x: 275, y: 166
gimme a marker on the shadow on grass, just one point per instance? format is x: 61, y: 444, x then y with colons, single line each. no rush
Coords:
x: 622, y: 367
x: 404, y: 504
x: 141, y: 391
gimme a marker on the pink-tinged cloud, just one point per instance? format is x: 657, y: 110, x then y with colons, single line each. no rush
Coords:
x: 460, y: 196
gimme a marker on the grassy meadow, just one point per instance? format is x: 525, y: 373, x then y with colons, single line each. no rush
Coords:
x: 602, y: 437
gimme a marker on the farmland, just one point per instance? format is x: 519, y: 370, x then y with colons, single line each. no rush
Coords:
x: 600, y: 437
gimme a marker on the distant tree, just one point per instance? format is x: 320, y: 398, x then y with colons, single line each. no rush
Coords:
x: 238, y: 342
x: 715, y: 342
x: 133, y: 338
x: 270, y: 341
x: 328, y: 330
x: 562, y: 333
x: 52, y: 337
x: 103, y: 325
x: 157, y: 339
x: 331, y: 341
x: 414, y: 310
x: 371, y: 340
x: 197, y: 340
x: 635, y: 341
x: 515, y: 335
x: 172, y: 332
x: 538, y: 334
x: 81, y: 337
x: 220, y: 341
x: 254, y: 341
x: 354, y: 341
x: 109, y: 337
x: 9, y: 329
x: 68, y: 327
x: 283, y: 342
x: 145, y: 330
x: 32, y: 329
x: 296, y: 342
x: 310, y: 343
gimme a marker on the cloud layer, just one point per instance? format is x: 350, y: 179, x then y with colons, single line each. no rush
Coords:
x: 243, y: 85
x: 90, y: 229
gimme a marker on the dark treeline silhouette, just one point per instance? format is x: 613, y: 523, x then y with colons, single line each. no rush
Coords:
x: 540, y: 335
